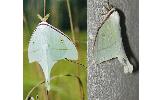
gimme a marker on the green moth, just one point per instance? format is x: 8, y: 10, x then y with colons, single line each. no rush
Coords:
x: 108, y: 41
x: 48, y: 45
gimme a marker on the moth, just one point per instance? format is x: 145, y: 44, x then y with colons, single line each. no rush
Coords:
x: 108, y: 41
x: 48, y: 45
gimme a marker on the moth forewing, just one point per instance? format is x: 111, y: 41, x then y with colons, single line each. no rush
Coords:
x: 108, y: 41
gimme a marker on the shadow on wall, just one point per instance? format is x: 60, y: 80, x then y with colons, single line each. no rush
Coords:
x: 126, y: 44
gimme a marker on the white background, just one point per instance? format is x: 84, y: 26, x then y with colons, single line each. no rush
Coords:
x: 11, y: 49
x: 150, y: 49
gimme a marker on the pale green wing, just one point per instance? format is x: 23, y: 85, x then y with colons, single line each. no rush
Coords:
x: 47, y: 46
x: 60, y: 46
x: 108, y: 42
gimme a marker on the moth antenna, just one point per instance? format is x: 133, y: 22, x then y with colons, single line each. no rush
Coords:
x: 76, y: 62
x: 108, y: 2
x: 45, y: 17
x: 40, y: 17
x: 109, y: 6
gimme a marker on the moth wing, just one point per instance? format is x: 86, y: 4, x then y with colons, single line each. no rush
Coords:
x: 35, y: 44
x: 72, y: 52
x: 57, y: 44
x: 108, y: 39
x: 108, y: 43
x: 60, y: 46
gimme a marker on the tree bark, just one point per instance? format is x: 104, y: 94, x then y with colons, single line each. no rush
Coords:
x: 107, y: 81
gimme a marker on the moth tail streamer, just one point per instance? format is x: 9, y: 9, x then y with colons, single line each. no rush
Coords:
x: 28, y: 97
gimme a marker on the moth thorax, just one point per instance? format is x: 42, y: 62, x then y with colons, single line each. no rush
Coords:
x: 43, y: 22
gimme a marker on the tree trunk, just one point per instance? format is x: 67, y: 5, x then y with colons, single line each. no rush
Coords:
x: 107, y: 81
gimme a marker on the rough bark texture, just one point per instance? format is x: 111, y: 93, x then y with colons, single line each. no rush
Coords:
x: 107, y: 81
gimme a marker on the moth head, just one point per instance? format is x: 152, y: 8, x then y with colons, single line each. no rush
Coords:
x: 108, y: 6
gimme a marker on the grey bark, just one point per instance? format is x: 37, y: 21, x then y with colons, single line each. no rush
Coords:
x: 107, y: 81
